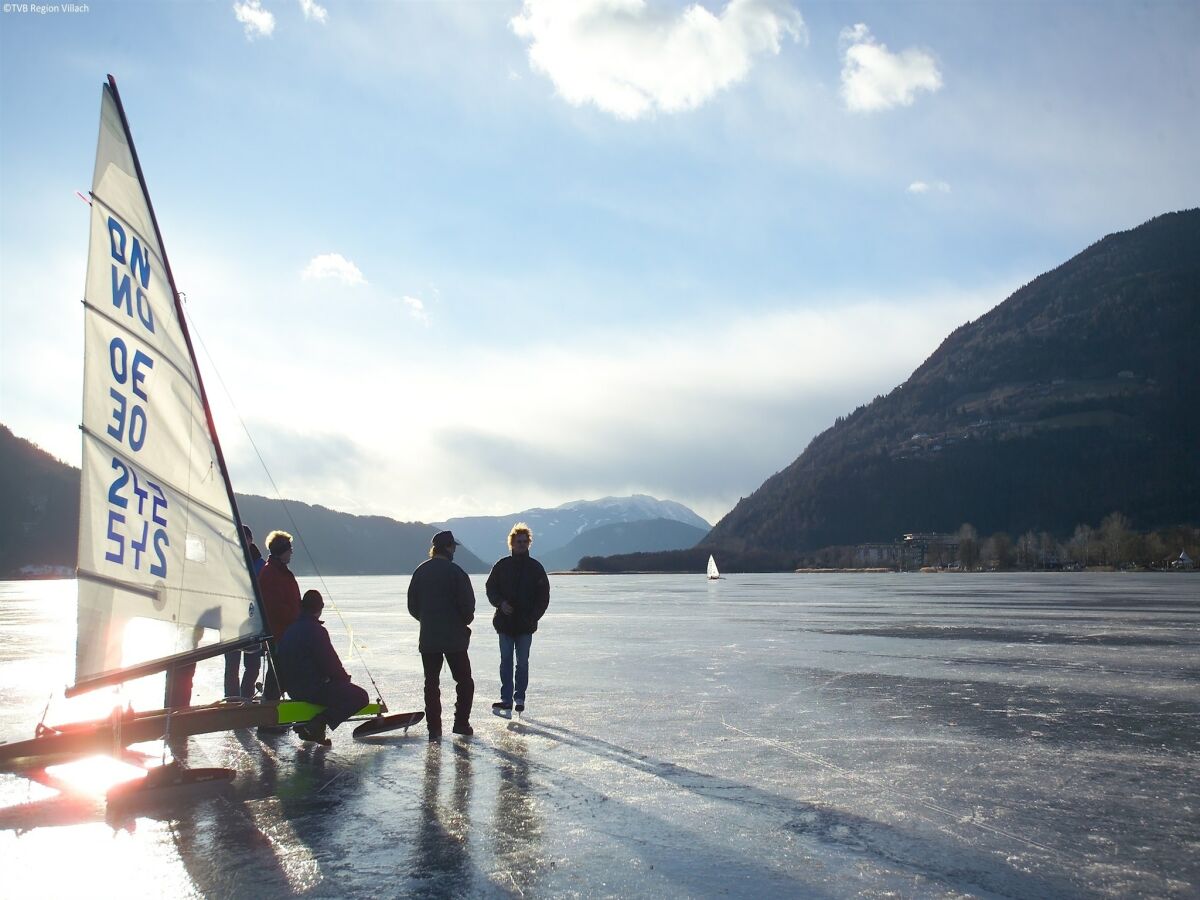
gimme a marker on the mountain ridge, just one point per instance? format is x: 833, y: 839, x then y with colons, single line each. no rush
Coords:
x: 40, y: 495
x: 1068, y: 400
x: 554, y: 527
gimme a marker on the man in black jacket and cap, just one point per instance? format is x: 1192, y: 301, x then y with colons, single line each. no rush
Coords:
x: 520, y: 591
x: 441, y: 598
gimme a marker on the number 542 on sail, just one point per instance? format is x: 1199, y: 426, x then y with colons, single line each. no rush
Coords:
x: 135, y: 502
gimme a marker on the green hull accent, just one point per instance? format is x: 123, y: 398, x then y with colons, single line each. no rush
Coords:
x: 294, y: 711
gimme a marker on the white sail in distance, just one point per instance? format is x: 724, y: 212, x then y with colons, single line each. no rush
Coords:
x: 162, y: 567
x: 712, y: 568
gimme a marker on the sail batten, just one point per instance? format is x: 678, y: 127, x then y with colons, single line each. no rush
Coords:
x: 164, y: 482
x: 117, y: 323
x: 164, y: 573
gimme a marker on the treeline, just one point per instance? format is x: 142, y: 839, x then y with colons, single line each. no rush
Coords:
x: 1114, y: 543
x: 694, y: 559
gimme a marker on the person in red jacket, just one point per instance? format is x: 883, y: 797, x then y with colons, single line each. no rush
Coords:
x: 280, y: 597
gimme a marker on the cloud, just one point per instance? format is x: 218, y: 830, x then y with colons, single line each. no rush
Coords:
x: 313, y: 12
x: 629, y: 414
x: 875, y: 79
x: 416, y: 309
x: 333, y: 265
x: 601, y: 412
x: 631, y: 61
x: 924, y: 187
x: 257, y: 21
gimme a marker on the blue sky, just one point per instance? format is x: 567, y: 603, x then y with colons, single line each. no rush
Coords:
x: 467, y: 258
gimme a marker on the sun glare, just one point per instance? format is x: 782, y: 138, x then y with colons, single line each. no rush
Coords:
x: 94, y: 775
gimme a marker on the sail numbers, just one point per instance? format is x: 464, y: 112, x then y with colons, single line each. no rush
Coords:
x: 137, y: 507
x: 129, y: 419
x: 137, y: 521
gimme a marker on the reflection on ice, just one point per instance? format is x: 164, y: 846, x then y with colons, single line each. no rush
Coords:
x: 440, y: 857
x: 292, y: 857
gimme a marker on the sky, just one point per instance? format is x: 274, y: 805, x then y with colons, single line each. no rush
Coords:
x: 468, y: 258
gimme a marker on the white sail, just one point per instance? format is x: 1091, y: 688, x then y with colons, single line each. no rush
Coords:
x: 712, y: 568
x: 161, y: 562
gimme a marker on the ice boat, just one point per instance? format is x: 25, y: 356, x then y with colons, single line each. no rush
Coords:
x: 164, y: 576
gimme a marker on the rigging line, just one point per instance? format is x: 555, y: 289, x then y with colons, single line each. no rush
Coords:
x: 354, y: 648
x: 877, y: 783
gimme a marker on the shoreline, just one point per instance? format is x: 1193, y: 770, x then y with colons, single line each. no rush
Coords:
x: 927, y: 570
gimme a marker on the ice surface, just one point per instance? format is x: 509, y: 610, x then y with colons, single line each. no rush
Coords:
x: 768, y: 735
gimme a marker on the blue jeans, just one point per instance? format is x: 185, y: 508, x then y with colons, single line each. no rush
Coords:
x: 521, y: 644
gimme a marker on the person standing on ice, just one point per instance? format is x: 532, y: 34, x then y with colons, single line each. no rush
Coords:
x: 441, y: 598
x: 244, y: 686
x: 281, y: 601
x: 520, y: 591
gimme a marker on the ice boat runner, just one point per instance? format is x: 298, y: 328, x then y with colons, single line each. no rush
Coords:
x: 162, y: 562
x: 713, y: 573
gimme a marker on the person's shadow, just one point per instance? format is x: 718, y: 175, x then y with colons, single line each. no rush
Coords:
x: 517, y: 830
x: 441, y: 857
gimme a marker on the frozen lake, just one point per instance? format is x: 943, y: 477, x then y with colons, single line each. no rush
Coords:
x: 764, y: 735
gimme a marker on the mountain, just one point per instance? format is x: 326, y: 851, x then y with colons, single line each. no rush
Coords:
x: 39, y: 496
x: 623, y: 537
x: 557, y: 527
x: 40, y: 499
x: 344, y: 544
x: 1075, y: 397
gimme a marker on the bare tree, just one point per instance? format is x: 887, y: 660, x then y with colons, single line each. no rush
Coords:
x: 1048, y: 551
x: 1081, y: 545
x: 968, y: 547
x: 1027, y: 548
x: 1114, y: 535
x: 999, y: 550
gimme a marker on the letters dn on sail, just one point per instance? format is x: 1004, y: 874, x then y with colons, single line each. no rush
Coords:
x: 138, y: 266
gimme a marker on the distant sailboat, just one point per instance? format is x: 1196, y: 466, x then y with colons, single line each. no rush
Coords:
x: 164, y: 575
x: 713, y: 572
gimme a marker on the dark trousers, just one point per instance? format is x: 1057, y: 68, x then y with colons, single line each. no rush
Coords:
x: 178, y: 690
x: 341, y: 700
x: 460, y: 668
x: 243, y: 686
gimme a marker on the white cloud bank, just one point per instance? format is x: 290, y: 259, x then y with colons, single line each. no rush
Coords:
x: 874, y: 78
x: 631, y: 61
x: 600, y: 414
x: 333, y: 265
x: 257, y: 21
x: 313, y: 12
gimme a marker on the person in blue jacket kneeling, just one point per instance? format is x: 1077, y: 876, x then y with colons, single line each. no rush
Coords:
x: 312, y: 671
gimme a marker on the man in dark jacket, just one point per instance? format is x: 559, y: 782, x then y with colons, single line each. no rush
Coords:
x: 312, y: 671
x: 441, y: 598
x: 520, y: 591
